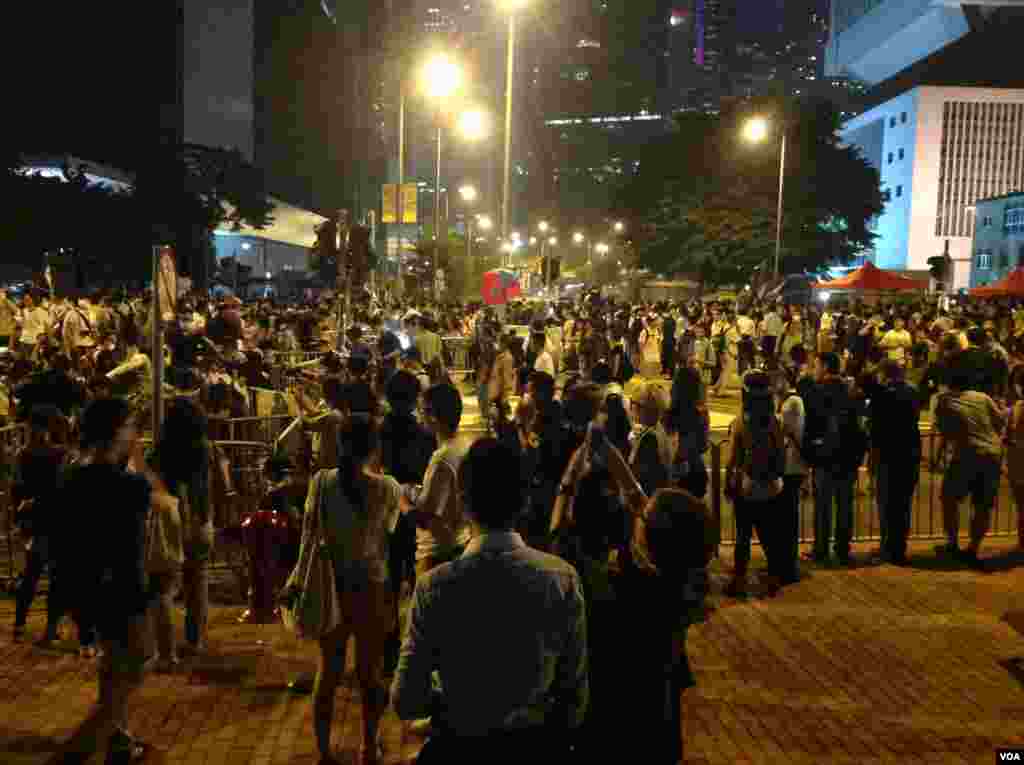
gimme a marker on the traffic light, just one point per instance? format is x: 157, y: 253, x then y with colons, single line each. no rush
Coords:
x: 937, y: 266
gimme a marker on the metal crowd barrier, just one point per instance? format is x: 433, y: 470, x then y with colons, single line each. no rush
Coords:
x: 290, y: 358
x: 926, y: 515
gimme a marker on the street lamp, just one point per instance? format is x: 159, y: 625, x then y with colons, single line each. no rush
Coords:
x: 619, y: 227
x: 512, y: 7
x: 578, y: 238
x: 543, y: 227
x: 485, y: 223
x: 473, y: 124
x: 602, y: 248
x: 756, y: 131
x: 533, y: 241
x: 468, y: 193
x: 441, y: 77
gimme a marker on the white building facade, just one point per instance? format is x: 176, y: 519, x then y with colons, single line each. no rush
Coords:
x: 938, y: 151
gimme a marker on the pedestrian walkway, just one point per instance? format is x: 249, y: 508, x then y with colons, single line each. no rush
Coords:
x: 876, y: 664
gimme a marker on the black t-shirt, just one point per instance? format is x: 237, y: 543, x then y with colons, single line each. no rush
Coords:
x: 101, y: 543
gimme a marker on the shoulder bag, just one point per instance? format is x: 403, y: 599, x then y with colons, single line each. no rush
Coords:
x: 165, y: 544
x: 311, y: 608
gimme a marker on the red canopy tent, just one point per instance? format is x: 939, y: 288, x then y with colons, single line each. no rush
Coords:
x: 1011, y: 285
x: 870, y: 278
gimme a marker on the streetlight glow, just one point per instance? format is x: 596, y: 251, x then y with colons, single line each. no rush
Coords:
x: 512, y: 5
x: 578, y: 237
x: 543, y: 226
x: 601, y: 248
x: 553, y: 241
x: 441, y: 76
x: 473, y: 124
x: 468, y: 193
x: 619, y: 227
x: 485, y: 222
x: 533, y: 241
x: 756, y: 130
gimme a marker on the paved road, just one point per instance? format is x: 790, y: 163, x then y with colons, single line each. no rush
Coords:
x: 867, y: 666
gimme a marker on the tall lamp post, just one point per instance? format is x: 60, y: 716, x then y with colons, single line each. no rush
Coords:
x: 512, y: 6
x: 756, y: 131
x: 441, y: 78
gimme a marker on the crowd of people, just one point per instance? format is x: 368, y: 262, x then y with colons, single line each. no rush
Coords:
x: 499, y: 580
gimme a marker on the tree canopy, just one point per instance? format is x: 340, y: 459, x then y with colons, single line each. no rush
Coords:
x: 104, y: 234
x: 703, y: 202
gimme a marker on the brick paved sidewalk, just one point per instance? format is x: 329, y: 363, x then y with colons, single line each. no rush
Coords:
x: 872, y: 665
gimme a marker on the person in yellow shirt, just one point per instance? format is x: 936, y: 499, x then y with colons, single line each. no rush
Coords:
x: 897, y: 343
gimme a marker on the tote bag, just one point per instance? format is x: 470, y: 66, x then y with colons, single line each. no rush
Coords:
x: 311, y: 608
x: 165, y: 548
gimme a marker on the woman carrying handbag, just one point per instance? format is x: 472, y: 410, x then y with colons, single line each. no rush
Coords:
x: 340, y: 586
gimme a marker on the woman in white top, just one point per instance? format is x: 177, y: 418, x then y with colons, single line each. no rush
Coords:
x: 360, y: 509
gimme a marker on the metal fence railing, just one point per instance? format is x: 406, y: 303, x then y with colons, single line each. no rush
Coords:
x: 926, y: 517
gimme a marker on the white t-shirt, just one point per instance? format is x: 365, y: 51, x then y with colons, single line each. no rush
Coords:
x: 428, y: 545
x: 545, y: 363
x: 792, y: 416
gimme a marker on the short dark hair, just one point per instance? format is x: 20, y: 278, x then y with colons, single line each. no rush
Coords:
x: 488, y: 464
x: 830, y: 360
x: 102, y: 419
x: 403, y: 391
x: 358, y: 397
x: 445, y: 404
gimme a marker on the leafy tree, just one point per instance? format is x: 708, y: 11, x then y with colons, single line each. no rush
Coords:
x: 104, y: 235
x: 704, y: 203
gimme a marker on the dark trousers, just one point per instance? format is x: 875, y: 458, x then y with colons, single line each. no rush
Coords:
x: 788, y: 545
x: 897, y: 481
x: 57, y: 604
x: 833, y: 490
x: 760, y: 516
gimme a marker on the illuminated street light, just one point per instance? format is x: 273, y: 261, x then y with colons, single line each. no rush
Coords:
x: 756, y: 130
x: 553, y: 241
x: 620, y: 227
x: 468, y: 193
x: 246, y: 246
x: 473, y: 124
x: 543, y: 227
x: 533, y: 241
x: 578, y: 237
x: 485, y: 223
x: 601, y: 248
x: 441, y: 76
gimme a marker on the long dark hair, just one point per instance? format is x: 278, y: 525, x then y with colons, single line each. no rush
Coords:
x: 358, y: 441
x: 183, y: 448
